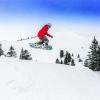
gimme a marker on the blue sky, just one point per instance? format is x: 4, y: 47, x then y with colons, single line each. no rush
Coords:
x: 50, y: 8
x: 22, y: 14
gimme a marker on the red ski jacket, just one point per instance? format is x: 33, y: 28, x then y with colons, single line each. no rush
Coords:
x: 43, y: 32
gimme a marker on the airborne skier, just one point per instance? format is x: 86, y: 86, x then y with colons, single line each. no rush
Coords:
x: 44, y: 41
x: 43, y: 33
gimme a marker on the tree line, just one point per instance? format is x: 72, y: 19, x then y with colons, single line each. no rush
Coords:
x: 24, y: 54
x: 67, y: 58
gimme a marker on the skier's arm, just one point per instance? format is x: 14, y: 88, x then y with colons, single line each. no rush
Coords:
x: 49, y: 35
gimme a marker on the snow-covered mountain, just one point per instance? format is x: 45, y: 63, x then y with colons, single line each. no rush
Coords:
x: 41, y: 78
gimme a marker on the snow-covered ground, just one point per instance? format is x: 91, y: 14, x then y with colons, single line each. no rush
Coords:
x: 41, y: 78
x: 26, y: 80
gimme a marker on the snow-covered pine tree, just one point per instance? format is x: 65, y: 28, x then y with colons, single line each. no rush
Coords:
x: 57, y: 61
x: 61, y: 53
x: 69, y: 57
x: 12, y: 52
x: 66, y: 55
x: 80, y: 60
x: 66, y: 58
x: 1, y: 51
x: 66, y: 61
x: 25, y: 55
x: 78, y: 56
x: 93, y: 56
x: 98, y: 60
x: 72, y: 62
x: 21, y: 54
x: 61, y: 62
x: 72, y: 55
x: 86, y: 63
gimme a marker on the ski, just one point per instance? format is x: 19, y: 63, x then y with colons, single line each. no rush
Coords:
x: 36, y: 46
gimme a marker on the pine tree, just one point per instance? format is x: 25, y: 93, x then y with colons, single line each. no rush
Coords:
x: 93, y: 56
x: 69, y: 57
x: 25, y: 55
x: 66, y: 55
x: 61, y: 62
x: 61, y: 53
x: 66, y: 61
x: 72, y: 62
x: 11, y: 52
x: 57, y: 61
x: 66, y: 58
x: 98, y: 60
x: 1, y: 51
x: 21, y: 54
x: 78, y: 56
x: 80, y: 60
x: 86, y: 63
x: 72, y: 55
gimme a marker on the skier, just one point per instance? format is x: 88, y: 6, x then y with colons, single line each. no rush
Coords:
x: 43, y: 33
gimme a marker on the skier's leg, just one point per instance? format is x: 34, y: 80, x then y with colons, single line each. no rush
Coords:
x: 39, y: 42
x: 45, y: 40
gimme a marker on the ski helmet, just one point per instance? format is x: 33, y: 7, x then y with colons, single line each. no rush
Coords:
x: 49, y: 25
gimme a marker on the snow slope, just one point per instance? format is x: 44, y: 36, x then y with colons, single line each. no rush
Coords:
x: 41, y: 78
x: 26, y: 80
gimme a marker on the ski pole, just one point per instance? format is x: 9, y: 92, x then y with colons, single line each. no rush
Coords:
x: 34, y: 37
x: 27, y: 38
